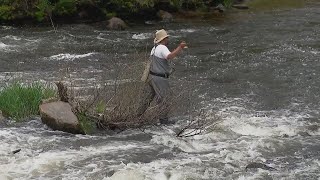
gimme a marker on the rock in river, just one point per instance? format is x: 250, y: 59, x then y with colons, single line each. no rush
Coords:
x: 256, y: 165
x: 164, y: 16
x: 128, y: 175
x: 59, y: 116
x: 116, y: 24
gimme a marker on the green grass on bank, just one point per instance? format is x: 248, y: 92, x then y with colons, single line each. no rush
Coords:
x: 19, y: 101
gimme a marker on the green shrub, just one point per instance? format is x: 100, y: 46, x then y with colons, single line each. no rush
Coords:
x: 129, y: 5
x: 6, y: 12
x: 19, y: 101
x: 86, y: 124
x: 43, y: 9
x: 176, y: 3
x: 65, y: 7
x: 228, y: 3
x: 100, y: 107
x: 11, y: 10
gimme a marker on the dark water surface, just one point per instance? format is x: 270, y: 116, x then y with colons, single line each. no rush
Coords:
x: 258, y: 72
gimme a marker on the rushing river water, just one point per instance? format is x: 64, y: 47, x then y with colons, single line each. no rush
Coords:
x: 257, y: 72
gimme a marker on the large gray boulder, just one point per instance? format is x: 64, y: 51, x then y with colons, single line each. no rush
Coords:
x: 116, y: 24
x: 256, y: 165
x: 164, y: 16
x: 59, y: 116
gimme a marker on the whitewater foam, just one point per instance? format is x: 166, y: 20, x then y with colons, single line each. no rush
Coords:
x: 142, y: 36
x: 3, y: 45
x: 69, y: 57
x: 34, y: 163
x: 164, y: 169
x: 188, y: 30
x: 6, y: 27
x: 16, y: 38
x: 263, y: 123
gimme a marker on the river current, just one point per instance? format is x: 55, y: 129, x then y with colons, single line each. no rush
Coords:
x: 257, y: 72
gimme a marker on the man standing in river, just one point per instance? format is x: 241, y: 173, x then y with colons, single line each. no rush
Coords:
x: 159, y: 73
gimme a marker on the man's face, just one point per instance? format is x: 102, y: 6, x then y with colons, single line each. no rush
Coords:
x: 166, y: 41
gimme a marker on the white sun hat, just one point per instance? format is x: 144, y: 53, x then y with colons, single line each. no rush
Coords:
x: 160, y: 35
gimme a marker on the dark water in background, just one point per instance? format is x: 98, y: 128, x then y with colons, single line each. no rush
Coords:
x: 259, y: 72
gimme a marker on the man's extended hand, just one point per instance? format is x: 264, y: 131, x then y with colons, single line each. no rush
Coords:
x: 175, y: 52
x: 183, y: 45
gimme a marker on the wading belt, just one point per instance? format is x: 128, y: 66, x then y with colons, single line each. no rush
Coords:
x: 166, y: 75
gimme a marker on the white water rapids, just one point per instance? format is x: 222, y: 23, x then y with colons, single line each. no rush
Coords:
x: 259, y: 75
x: 159, y: 154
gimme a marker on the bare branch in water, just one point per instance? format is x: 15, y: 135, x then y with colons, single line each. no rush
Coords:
x: 198, y: 125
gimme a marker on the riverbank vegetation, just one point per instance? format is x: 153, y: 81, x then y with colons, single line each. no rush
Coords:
x: 275, y: 4
x: 19, y: 101
x: 95, y: 10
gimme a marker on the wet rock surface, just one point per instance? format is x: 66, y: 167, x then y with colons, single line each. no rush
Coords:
x: 164, y: 16
x: 128, y: 175
x: 256, y: 165
x: 116, y: 23
x: 59, y: 116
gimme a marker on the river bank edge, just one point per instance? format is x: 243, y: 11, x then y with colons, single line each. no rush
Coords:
x: 159, y: 14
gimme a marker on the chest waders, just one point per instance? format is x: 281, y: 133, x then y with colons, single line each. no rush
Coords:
x: 157, y: 86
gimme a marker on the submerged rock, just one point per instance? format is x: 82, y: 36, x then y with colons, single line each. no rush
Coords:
x: 304, y: 134
x: 16, y: 151
x: 256, y: 165
x: 285, y: 136
x: 59, y: 116
x: 128, y: 175
x: 313, y: 128
x: 164, y: 15
x: 116, y: 24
